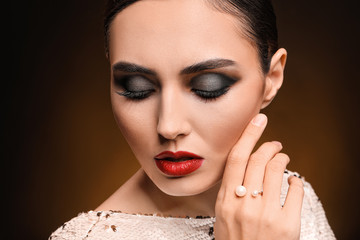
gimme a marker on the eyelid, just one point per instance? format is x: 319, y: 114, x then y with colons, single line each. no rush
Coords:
x: 218, y: 73
x: 221, y: 79
x: 121, y: 80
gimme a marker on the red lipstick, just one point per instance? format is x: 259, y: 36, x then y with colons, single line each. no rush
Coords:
x: 179, y: 163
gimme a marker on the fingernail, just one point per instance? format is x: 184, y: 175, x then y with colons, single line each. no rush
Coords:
x: 259, y: 120
x: 277, y: 143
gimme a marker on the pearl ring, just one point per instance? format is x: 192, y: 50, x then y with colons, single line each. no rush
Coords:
x: 255, y: 193
x: 240, y: 191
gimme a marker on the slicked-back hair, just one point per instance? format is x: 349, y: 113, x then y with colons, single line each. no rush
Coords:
x: 257, y: 22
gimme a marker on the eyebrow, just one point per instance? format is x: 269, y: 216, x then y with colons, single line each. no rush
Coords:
x: 194, y: 68
x: 208, y: 64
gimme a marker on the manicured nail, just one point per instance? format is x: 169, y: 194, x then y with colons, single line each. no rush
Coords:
x: 259, y: 120
x: 277, y: 143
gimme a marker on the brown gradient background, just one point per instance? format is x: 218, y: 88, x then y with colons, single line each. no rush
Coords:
x: 64, y: 153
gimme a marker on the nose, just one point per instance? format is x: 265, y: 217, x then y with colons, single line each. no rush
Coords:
x: 172, y: 120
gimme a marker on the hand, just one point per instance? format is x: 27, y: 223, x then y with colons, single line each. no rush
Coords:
x: 260, y: 217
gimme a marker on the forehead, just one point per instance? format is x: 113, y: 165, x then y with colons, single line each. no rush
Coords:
x: 162, y: 31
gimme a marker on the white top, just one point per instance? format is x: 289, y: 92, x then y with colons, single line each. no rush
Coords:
x: 117, y: 225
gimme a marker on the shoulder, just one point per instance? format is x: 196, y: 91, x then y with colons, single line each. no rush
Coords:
x: 314, y: 224
x: 118, y: 225
x: 77, y: 228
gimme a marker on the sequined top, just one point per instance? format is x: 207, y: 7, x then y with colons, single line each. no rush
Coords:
x: 118, y: 225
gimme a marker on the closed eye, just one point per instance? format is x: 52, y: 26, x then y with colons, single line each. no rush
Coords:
x: 135, y: 87
x: 207, y: 86
x: 210, y: 95
x: 210, y: 86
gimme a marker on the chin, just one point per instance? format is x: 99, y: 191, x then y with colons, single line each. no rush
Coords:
x: 185, y: 186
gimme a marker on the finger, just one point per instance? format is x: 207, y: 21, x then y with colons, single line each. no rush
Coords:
x: 274, y: 177
x: 239, y: 154
x: 255, y: 170
x: 295, y: 196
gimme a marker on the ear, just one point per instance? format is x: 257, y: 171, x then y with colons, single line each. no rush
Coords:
x: 274, y: 78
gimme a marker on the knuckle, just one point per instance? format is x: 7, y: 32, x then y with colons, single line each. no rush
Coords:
x: 235, y: 164
x: 268, y: 220
x: 264, y: 153
x: 257, y: 159
x: 283, y: 156
x: 269, y: 147
x: 277, y: 164
x: 235, y: 156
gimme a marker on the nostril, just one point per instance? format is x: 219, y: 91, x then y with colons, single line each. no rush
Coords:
x: 162, y: 140
x: 169, y: 135
x: 169, y: 127
x: 171, y: 131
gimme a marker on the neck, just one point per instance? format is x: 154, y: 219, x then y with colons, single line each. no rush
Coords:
x: 202, y: 204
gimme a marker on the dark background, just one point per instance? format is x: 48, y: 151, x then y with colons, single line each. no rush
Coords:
x: 64, y: 153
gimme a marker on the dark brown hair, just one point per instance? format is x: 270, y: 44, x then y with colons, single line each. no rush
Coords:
x: 256, y: 17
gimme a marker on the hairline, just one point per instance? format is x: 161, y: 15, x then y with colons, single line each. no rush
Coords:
x: 242, y: 25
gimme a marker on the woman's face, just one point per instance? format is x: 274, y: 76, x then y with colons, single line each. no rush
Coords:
x: 166, y: 106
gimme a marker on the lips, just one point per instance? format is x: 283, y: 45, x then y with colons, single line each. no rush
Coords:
x: 179, y: 163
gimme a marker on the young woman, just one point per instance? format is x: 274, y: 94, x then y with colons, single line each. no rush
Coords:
x: 189, y: 79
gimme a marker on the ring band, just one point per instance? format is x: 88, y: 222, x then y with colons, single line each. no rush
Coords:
x: 255, y: 193
x: 240, y: 191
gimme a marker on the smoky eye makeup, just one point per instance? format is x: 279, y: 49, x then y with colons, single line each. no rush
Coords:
x: 207, y: 86
x: 133, y: 86
x: 211, y: 85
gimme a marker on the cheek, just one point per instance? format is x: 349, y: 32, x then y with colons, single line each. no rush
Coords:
x: 222, y: 124
x: 215, y: 126
x: 136, y: 122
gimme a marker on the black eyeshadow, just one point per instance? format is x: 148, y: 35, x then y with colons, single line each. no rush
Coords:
x: 211, y: 82
x: 134, y: 83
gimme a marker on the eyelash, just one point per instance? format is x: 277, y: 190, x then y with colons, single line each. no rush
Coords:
x: 210, y: 95
x: 204, y: 95
x: 136, y: 96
